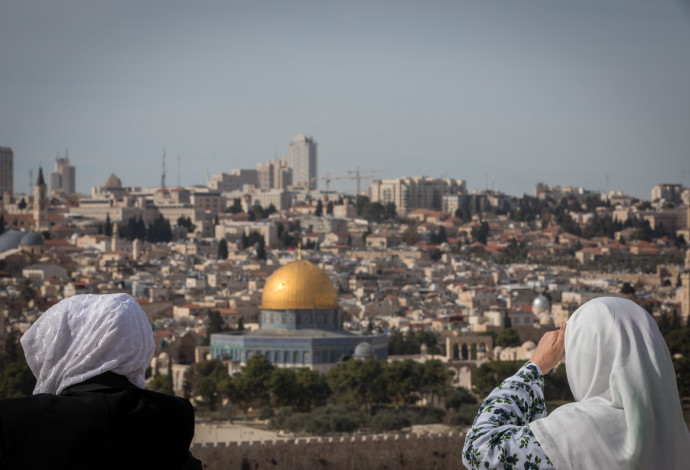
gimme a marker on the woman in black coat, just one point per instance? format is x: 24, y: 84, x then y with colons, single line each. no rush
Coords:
x: 89, y: 409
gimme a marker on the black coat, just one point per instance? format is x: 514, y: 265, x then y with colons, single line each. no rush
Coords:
x: 102, y: 423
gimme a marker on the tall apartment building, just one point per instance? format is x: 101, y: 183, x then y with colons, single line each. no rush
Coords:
x: 63, y: 179
x: 274, y: 175
x: 301, y: 159
x: 6, y: 171
x: 667, y: 192
x: 417, y: 192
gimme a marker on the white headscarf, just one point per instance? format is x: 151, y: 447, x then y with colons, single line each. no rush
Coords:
x: 627, y: 414
x: 86, y: 335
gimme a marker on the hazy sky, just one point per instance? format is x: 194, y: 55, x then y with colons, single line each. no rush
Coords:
x: 504, y: 92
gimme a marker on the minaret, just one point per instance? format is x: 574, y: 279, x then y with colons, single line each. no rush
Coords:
x: 136, y: 250
x: 40, y: 201
x: 114, y: 239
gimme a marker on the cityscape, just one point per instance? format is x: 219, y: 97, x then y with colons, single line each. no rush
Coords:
x: 266, y: 274
x: 346, y: 223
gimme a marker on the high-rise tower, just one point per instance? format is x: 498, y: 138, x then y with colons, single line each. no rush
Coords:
x: 301, y: 159
x: 63, y: 179
x: 6, y: 171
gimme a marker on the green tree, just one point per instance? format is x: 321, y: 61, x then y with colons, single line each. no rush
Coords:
x: 162, y: 384
x: 508, y: 337
x: 403, y: 380
x: 312, y: 389
x: 236, y: 206
x: 21, y: 205
x: 490, y: 374
x: 435, y: 379
x: 627, y: 289
x: 319, y: 209
x: 251, y: 384
x: 458, y: 397
x: 480, y: 233
x: 282, y: 387
x: 329, y: 208
x: 410, y: 235
x: 215, y: 322
x: 223, y: 249
x: 108, y: 226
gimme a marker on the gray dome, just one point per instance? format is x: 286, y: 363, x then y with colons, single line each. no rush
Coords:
x: 364, y: 351
x: 31, y: 239
x: 541, y: 302
x: 10, y: 240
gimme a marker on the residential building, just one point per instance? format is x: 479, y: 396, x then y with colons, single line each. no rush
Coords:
x: 301, y: 159
x: 63, y: 179
x: 6, y: 171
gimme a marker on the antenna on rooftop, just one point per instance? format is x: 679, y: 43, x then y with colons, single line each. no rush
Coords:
x: 163, y: 173
x: 607, y: 182
x: 179, y: 157
x: 31, y: 180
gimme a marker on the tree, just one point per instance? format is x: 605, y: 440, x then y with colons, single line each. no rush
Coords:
x: 329, y: 208
x: 403, y: 380
x: 319, y: 209
x: 251, y: 383
x: 108, y: 226
x: 627, y: 289
x: 490, y: 374
x: 508, y: 337
x: 480, y: 233
x: 162, y: 384
x: 21, y: 205
x: 223, y: 249
x: 215, y: 322
x: 282, y: 387
x: 458, y: 397
x: 410, y: 235
x: 236, y: 207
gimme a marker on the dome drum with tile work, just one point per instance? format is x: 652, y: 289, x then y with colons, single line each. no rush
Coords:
x: 299, y: 285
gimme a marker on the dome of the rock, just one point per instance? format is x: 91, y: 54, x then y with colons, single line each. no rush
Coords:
x: 299, y: 285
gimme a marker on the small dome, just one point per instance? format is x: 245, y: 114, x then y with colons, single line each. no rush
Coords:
x: 363, y: 351
x: 10, y: 240
x: 113, y: 181
x: 529, y: 345
x: 299, y: 285
x: 31, y: 239
x: 541, y: 302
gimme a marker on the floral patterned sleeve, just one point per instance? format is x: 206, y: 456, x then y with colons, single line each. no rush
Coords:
x: 500, y: 436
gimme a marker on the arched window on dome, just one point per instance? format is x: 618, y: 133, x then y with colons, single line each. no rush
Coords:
x: 286, y: 357
x: 305, y: 357
x: 295, y: 357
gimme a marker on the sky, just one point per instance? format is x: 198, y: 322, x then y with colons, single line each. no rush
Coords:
x: 501, y: 93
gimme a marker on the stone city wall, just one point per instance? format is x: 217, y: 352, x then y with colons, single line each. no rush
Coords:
x: 383, y: 451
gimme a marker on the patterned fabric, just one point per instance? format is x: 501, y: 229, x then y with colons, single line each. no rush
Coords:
x: 86, y: 335
x: 500, y: 437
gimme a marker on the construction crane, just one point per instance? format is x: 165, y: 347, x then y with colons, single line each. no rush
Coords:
x: 366, y: 175
x: 358, y: 175
x: 328, y: 179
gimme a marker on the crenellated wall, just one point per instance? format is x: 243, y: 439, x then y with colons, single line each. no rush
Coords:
x: 382, y: 451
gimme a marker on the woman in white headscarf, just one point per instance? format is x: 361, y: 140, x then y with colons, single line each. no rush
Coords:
x: 627, y: 412
x: 89, y: 409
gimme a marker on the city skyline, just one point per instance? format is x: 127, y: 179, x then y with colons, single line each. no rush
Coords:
x: 501, y: 95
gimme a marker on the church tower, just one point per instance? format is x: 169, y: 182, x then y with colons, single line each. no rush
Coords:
x: 40, y: 202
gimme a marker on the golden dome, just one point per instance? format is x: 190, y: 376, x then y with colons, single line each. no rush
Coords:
x: 299, y: 285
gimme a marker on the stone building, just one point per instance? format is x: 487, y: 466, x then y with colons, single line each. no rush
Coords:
x: 299, y: 324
